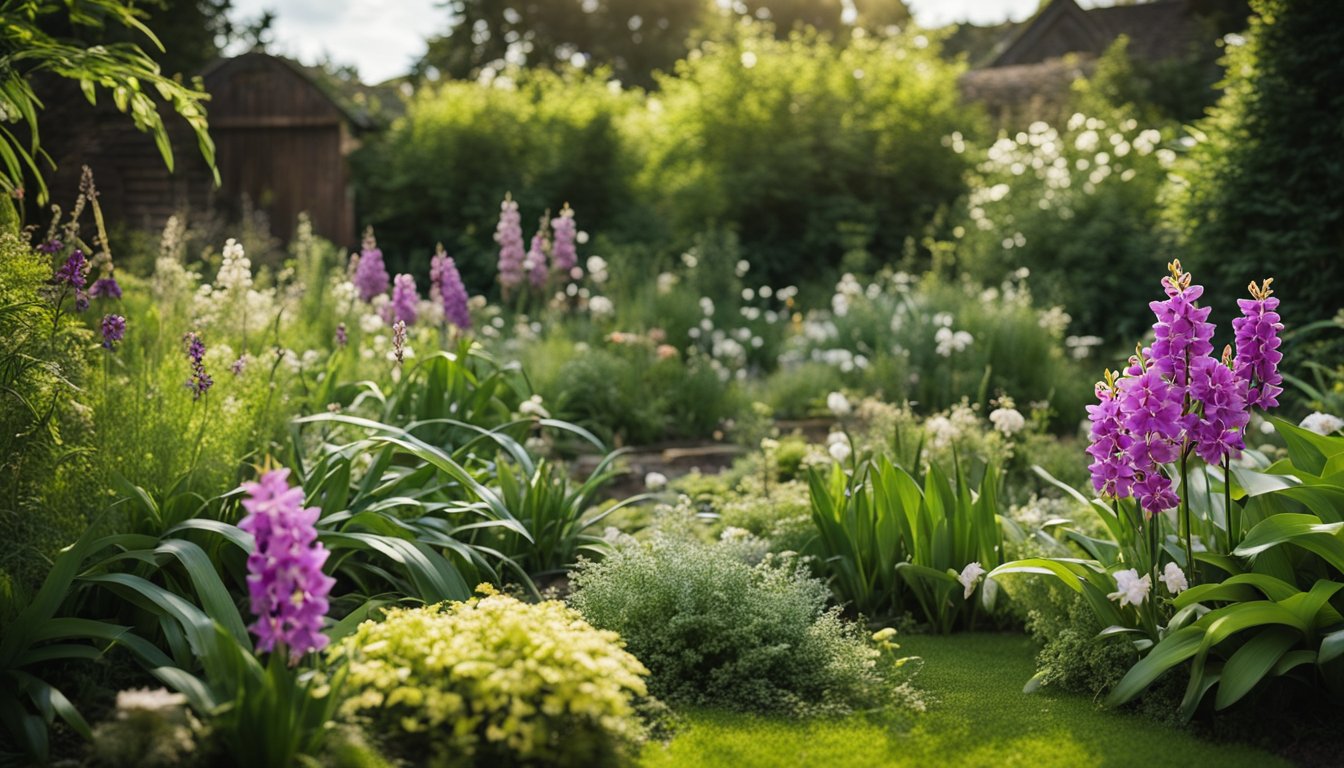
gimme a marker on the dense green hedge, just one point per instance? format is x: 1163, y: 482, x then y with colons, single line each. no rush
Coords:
x: 1263, y: 191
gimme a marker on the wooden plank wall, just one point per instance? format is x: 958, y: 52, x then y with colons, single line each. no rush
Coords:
x: 279, y: 140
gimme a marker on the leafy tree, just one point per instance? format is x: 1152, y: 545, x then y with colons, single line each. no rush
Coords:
x: 634, y: 38
x: 121, y: 69
x: 1262, y: 191
x: 806, y: 149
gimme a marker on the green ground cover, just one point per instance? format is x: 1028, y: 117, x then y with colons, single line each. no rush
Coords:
x: 977, y: 716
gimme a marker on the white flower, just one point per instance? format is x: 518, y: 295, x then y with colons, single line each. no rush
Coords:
x: 235, y: 269
x: 836, y: 437
x: 533, y: 407
x: 1007, y: 420
x: 1174, y: 578
x: 948, y: 341
x: 655, y: 481
x: 838, y: 404
x: 666, y: 281
x: 941, y: 431
x: 370, y: 323
x: 969, y: 576
x: 149, y: 700
x: 597, y: 269
x: 839, y: 451
x: 1322, y: 423
x: 601, y: 306
x: 1131, y: 590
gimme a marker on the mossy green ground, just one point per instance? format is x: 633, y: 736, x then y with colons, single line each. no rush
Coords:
x: 977, y: 716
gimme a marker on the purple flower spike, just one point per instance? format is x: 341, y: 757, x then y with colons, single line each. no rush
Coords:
x: 1257, y: 339
x: 342, y: 337
x: 1112, y: 473
x: 535, y: 263
x: 105, y: 286
x: 449, y: 290
x: 564, y: 255
x: 370, y: 274
x: 72, y: 272
x: 200, y: 381
x: 509, y: 235
x: 114, y: 329
x: 285, y: 583
x: 1182, y: 330
x: 51, y: 247
x: 404, y: 300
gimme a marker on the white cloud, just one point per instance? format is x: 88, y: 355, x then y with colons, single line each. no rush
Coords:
x: 381, y: 38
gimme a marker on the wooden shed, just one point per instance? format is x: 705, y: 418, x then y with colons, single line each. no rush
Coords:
x: 282, y: 143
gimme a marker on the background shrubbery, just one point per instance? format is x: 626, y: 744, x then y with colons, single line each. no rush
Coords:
x: 804, y: 147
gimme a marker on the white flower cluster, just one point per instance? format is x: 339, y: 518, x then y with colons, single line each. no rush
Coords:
x: 601, y: 307
x: 1007, y: 420
x: 232, y: 304
x: 1080, y: 159
x: 943, y: 430
x: 1322, y: 423
x: 1080, y: 347
x: 946, y: 341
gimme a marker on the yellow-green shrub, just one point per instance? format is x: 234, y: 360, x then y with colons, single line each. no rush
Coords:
x: 494, y: 681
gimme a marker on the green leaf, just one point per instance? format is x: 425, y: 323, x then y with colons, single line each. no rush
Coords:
x: 1332, y: 646
x: 1251, y: 663
x: 215, y: 598
x: 1172, y: 650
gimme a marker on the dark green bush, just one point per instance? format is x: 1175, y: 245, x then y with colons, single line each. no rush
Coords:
x: 1262, y: 192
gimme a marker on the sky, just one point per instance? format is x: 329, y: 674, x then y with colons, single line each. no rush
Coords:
x: 382, y: 38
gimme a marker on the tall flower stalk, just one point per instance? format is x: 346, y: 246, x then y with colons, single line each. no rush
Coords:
x: 447, y: 288
x: 509, y: 235
x: 564, y: 254
x: 370, y: 274
x: 285, y: 583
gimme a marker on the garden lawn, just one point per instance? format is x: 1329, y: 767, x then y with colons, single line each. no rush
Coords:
x: 977, y: 716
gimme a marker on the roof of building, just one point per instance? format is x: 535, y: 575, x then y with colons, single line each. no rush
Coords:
x: 1157, y: 30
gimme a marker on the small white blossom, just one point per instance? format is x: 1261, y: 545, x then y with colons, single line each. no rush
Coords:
x: 1007, y: 420
x: 838, y: 404
x: 1322, y: 423
x: 839, y: 451
x: 149, y: 700
x: 533, y: 407
x: 1130, y: 589
x: 371, y: 322
x: 597, y: 269
x: 1174, y: 578
x: 601, y: 306
x: 655, y: 481
x: 970, y: 575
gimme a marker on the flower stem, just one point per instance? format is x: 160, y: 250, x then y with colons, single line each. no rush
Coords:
x: 1229, y: 512
x: 1185, y: 516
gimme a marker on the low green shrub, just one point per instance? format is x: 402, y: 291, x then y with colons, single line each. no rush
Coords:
x: 494, y: 681
x: 714, y: 630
